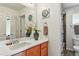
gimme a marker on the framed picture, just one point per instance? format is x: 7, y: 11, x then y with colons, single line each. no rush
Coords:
x: 30, y: 17
x: 45, y: 13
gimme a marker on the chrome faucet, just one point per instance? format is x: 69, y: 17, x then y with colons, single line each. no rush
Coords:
x: 8, y: 37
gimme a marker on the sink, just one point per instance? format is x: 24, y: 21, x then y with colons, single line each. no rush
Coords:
x: 11, y: 42
x: 19, y: 45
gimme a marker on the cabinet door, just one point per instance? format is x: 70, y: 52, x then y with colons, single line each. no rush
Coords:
x: 34, y: 51
x: 44, y: 49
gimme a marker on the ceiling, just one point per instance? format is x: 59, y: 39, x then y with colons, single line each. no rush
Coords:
x: 19, y: 6
x: 69, y: 5
x: 15, y: 6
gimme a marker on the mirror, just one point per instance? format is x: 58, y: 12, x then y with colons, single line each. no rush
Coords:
x: 75, y: 23
x: 15, y: 22
x: 75, y: 19
x: 27, y: 22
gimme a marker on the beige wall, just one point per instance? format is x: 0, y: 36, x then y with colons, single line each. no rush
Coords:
x: 54, y: 26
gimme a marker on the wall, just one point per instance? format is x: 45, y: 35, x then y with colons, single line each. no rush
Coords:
x: 69, y: 30
x: 54, y: 26
x: 4, y: 11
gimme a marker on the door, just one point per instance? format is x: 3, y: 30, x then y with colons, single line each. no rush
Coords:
x: 2, y: 28
x: 64, y: 31
x: 13, y: 26
x: 22, y: 26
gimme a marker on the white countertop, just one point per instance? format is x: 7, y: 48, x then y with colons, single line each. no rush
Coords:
x: 5, y: 51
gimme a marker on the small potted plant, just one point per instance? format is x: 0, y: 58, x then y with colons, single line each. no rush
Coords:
x: 28, y: 31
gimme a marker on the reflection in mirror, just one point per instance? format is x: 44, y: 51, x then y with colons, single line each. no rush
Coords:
x: 11, y: 27
x: 75, y: 23
x: 8, y: 26
x: 27, y: 21
x: 14, y: 22
x: 22, y: 26
x: 75, y: 19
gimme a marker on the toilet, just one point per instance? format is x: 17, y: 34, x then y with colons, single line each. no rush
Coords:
x: 75, y: 39
x: 76, y: 46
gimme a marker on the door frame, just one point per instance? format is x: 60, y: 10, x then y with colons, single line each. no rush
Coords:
x: 21, y: 25
x: 64, y: 30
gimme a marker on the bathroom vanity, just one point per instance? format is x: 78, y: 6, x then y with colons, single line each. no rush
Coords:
x: 26, y: 47
x: 38, y: 50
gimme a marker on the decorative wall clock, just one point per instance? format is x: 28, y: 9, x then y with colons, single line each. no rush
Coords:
x: 30, y: 17
x: 46, y: 13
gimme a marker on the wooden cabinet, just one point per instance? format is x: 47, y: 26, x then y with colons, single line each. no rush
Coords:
x: 44, y: 49
x: 39, y: 50
x: 34, y: 51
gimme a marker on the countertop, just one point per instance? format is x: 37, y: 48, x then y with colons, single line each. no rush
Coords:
x: 6, y: 51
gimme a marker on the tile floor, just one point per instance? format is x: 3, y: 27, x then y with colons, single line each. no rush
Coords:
x: 68, y: 53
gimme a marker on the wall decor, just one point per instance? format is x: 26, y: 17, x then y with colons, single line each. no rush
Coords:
x: 45, y: 29
x: 46, y: 13
x: 30, y: 17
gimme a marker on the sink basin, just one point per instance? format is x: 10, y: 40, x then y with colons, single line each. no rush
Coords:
x: 19, y: 45
x: 11, y: 42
